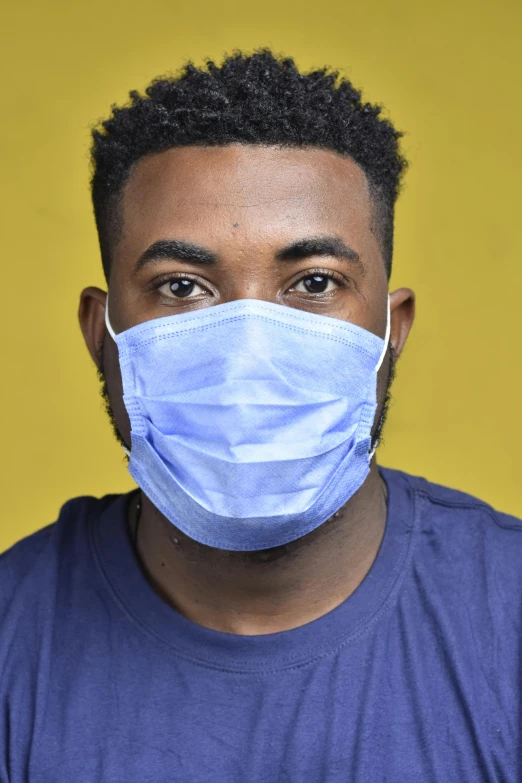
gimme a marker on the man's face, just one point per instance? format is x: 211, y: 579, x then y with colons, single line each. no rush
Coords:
x: 243, y: 206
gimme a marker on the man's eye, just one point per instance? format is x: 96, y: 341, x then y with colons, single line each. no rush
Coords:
x: 316, y: 284
x: 180, y: 287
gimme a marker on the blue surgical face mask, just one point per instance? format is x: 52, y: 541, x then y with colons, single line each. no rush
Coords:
x: 250, y: 421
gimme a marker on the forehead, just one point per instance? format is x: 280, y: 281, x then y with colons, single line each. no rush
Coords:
x: 268, y: 191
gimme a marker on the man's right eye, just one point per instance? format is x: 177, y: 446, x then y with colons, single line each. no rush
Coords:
x: 180, y: 287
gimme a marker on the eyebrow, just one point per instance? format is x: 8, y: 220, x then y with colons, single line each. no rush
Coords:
x: 180, y: 250
x: 319, y: 246
x: 176, y: 249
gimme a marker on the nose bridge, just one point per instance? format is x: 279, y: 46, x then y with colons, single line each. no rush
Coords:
x: 250, y: 274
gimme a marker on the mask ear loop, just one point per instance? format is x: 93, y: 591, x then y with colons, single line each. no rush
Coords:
x: 386, y: 336
x: 381, y: 359
x: 113, y: 335
x: 107, y: 322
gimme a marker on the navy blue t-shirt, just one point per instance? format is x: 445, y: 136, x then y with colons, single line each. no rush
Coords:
x: 416, y: 677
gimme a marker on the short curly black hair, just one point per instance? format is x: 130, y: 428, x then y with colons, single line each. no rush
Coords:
x: 259, y: 98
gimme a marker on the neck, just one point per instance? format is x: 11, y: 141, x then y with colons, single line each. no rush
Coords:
x: 274, y: 590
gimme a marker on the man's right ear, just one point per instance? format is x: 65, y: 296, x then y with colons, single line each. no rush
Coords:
x: 91, y: 315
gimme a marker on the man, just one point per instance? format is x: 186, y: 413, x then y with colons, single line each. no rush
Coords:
x: 268, y: 605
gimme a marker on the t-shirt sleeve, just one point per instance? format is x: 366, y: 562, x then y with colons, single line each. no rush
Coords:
x: 17, y: 566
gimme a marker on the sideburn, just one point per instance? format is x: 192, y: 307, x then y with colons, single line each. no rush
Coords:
x: 104, y: 392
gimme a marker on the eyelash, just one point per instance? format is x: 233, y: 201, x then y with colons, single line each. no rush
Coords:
x: 339, y: 279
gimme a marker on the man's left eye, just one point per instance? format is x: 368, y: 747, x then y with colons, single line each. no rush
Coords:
x: 315, y: 284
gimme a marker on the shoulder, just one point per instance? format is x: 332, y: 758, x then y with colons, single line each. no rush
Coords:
x: 19, y: 559
x: 452, y: 506
x: 464, y: 540
x: 32, y: 564
x: 459, y: 507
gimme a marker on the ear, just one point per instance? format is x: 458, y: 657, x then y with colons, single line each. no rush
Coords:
x: 91, y: 315
x: 402, y: 310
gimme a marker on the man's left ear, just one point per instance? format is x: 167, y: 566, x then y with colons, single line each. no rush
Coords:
x: 402, y: 313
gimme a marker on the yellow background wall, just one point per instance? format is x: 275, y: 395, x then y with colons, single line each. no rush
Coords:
x: 449, y: 73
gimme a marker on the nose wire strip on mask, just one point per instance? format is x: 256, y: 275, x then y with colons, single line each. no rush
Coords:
x: 379, y: 363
